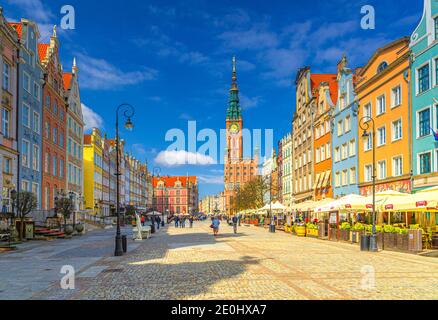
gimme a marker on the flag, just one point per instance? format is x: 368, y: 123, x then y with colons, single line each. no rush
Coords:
x: 435, y: 134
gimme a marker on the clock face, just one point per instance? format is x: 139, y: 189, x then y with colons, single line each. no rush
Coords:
x: 234, y: 128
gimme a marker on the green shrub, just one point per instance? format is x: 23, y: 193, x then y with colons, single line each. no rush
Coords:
x: 345, y: 226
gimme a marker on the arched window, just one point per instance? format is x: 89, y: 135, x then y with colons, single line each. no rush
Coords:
x: 382, y: 66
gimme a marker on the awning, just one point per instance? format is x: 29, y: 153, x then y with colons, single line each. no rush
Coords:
x: 327, y: 179
x: 320, y: 184
x: 316, y: 180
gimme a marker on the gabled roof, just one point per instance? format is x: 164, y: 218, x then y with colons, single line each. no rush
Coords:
x: 66, y: 78
x: 169, y: 182
x: 331, y: 79
x: 42, y: 50
x: 18, y: 26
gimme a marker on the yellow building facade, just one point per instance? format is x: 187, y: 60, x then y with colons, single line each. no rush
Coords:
x: 93, y: 172
x: 382, y: 88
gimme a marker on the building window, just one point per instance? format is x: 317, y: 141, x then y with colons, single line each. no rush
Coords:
x: 396, y: 99
x: 352, y: 152
x: 6, y: 77
x: 397, y: 166
x: 47, y: 163
x: 36, y: 122
x: 54, y: 166
x: 344, y: 151
x: 353, y: 176
x: 344, y: 177
x: 25, y: 153
x: 36, y: 91
x: 55, y: 107
x: 368, y: 173
x: 61, y: 168
x: 423, y: 79
x: 397, y: 130
x: 36, y: 158
x: 47, y: 130
x: 381, y: 105
x: 47, y: 101
x: 337, y: 179
x: 436, y: 71
x: 340, y: 128
x: 368, y: 111
x: 382, y: 66
x: 436, y: 28
x: 26, y: 115
x: 347, y: 124
x: 368, y: 144
x: 55, y: 135
x: 425, y: 163
x: 25, y: 185
x: 424, y: 123
x: 61, y: 139
x: 7, y: 167
x: 382, y: 169
x: 5, y: 122
x: 328, y: 150
x: 381, y: 136
x: 26, y: 82
x: 337, y: 154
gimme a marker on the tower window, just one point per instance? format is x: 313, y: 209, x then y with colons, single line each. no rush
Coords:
x: 382, y: 66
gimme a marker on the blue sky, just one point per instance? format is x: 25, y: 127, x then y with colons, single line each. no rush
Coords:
x: 172, y: 59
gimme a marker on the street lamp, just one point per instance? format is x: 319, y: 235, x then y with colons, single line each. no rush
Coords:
x: 364, y: 124
x: 128, y: 114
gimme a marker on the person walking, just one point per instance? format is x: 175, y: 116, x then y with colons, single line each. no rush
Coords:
x: 176, y: 221
x: 191, y: 222
x: 143, y: 219
x: 215, y: 225
x: 158, y: 223
x: 235, y: 221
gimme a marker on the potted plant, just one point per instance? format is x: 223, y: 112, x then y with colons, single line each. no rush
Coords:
x: 402, y: 239
x: 356, y: 232
x: 345, y: 231
x: 311, y: 230
x: 333, y: 234
x: 389, y: 237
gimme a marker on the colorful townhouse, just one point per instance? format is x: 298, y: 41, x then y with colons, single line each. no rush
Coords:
x: 286, y: 172
x: 345, y: 134
x: 54, y: 179
x: 93, y: 172
x: 424, y: 93
x: 307, y: 85
x: 8, y: 91
x: 30, y: 109
x: 105, y: 202
x: 175, y: 195
x: 383, y: 93
x: 326, y: 97
x: 75, y: 136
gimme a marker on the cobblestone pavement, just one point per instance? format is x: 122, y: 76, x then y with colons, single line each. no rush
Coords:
x: 254, y: 264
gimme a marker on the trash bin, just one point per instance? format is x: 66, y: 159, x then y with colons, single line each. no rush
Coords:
x: 365, y: 242
x: 124, y: 243
x: 272, y: 228
x: 153, y: 228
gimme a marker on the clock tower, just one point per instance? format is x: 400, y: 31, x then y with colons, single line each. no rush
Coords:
x: 238, y: 170
x: 234, y: 123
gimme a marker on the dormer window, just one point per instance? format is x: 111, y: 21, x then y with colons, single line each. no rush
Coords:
x: 382, y: 66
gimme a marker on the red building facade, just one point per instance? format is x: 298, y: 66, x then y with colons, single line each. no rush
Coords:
x: 175, y: 195
x: 54, y: 123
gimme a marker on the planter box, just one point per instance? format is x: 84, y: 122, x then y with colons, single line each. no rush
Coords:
x: 415, y: 241
x: 345, y: 235
x: 355, y: 236
x: 312, y: 233
x: 403, y: 242
x: 390, y: 241
x: 380, y: 241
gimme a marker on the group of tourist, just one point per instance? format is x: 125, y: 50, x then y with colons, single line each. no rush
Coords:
x: 180, y: 221
x: 152, y: 219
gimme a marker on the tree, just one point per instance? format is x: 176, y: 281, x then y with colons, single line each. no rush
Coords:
x: 251, y: 195
x: 64, y: 205
x: 25, y: 202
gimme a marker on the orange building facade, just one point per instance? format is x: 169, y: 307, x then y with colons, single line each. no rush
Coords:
x: 175, y: 195
x: 383, y: 94
x: 326, y: 102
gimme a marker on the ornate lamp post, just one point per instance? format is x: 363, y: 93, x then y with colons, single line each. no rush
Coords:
x: 128, y: 114
x: 364, y: 124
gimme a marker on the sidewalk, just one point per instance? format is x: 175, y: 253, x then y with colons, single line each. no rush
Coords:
x: 37, y: 264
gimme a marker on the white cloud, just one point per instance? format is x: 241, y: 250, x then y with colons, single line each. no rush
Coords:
x: 249, y: 102
x: 210, y: 179
x: 193, y: 57
x: 99, y: 74
x: 34, y: 9
x: 255, y: 38
x: 179, y: 158
x: 91, y: 119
